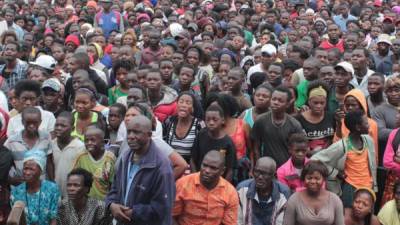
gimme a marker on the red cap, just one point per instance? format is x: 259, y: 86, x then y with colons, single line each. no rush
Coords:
x: 72, y: 38
x: 378, y: 3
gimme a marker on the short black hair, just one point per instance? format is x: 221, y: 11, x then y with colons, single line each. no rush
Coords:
x: 284, y: 90
x: 27, y: 85
x: 257, y: 79
x: 380, y: 75
x: 30, y: 110
x: 120, y: 63
x: 216, y: 108
x: 121, y: 108
x: 190, y: 66
x: 314, y: 166
x: 67, y: 115
x: 297, y: 138
x: 353, y: 119
x: 290, y: 64
x: 87, y: 176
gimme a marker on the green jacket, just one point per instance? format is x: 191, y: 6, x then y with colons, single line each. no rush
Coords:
x: 334, y: 158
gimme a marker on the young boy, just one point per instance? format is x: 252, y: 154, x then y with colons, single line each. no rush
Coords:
x: 289, y: 173
x: 351, y: 159
x: 66, y: 149
x: 121, y: 69
x: 27, y: 139
x: 97, y: 161
x: 115, y: 117
x: 235, y: 80
x: 28, y: 92
x: 214, y: 138
x: 167, y: 68
x: 52, y: 96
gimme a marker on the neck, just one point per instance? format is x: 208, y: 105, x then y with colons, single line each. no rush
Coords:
x: 155, y: 95
x: 11, y: 64
x: 355, y: 137
x: 264, y: 191
x: 334, y: 41
x: 376, y: 98
x: 361, y: 72
x: 313, y: 194
x: 185, y: 87
x: 30, y: 135
x: 278, y: 115
x: 97, y: 154
x: 167, y: 81
x: 154, y: 47
x: 210, y: 186
x: 342, y: 90
x: 33, y: 186
x: 84, y: 115
x: 215, y: 133
x: 185, y: 120
x: 316, y: 114
x: 79, y: 203
x: 142, y: 151
x: 236, y: 92
x: 297, y: 164
x: 259, y: 110
x: 64, y: 140
x: 355, y: 218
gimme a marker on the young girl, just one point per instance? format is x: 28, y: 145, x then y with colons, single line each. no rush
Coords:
x: 362, y: 210
x: 84, y: 102
x: 213, y: 137
x: 121, y: 69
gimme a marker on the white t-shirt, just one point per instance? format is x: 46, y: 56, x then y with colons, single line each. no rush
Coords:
x: 3, y: 102
x: 48, y: 121
x: 254, y: 69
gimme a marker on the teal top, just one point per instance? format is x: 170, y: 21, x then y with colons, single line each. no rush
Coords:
x: 248, y: 117
x: 302, y: 97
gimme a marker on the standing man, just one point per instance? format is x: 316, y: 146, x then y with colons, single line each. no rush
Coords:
x: 262, y: 198
x: 343, y: 16
x: 268, y: 56
x: 383, y: 57
x: 154, y: 51
x: 109, y: 20
x: 14, y: 69
x: 9, y: 16
x: 271, y: 130
x: 143, y: 189
x: 206, y: 197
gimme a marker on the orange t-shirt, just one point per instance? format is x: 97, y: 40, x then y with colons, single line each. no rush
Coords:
x: 357, y: 169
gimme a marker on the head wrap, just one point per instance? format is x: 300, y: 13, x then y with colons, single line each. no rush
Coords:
x: 91, y: 4
x: 368, y: 190
x: 318, y: 91
x: 98, y: 49
x: 246, y: 59
x: 72, y: 38
x: 38, y: 156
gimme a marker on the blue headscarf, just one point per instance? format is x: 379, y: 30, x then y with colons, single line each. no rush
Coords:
x: 38, y: 156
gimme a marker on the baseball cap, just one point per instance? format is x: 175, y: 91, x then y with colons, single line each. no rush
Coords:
x: 183, y: 34
x: 175, y: 29
x: 269, y: 49
x: 193, y: 26
x: 53, y: 84
x: 384, y: 38
x: 346, y: 66
x: 45, y: 61
x: 387, y: 19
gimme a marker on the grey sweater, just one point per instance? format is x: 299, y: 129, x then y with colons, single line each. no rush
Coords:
x: 385, y: 117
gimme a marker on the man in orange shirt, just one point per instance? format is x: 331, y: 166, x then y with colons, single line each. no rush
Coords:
x: 206, y: 198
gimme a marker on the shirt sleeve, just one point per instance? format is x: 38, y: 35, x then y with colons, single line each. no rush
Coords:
x: 290, y: 212
x: 389, y: 154
x: 231, y: 210
x: 339, y: 216
x: 178, y: 203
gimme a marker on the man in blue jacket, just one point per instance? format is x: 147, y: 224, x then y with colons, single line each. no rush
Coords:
x: 143, y: 190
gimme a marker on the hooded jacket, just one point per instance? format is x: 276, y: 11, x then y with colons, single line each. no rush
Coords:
x: 373, y: 126
x: 167, y: 106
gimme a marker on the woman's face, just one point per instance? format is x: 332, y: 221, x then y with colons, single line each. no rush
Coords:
x: 262, y: 98
x: 209, y: 28
x: 31, y: 171
x: 185, y: 106
x: 193, y: 58
x: 83, y: 103
x: 132, y: 112
x: 313, y: 181
x: 317, y: 104
x: 128, y: 40
x: 48, y: 41
x: 362, y: 205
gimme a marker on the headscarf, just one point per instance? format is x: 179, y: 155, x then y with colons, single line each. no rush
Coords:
x: 38, y: 156
x: 98, y: 49
x: 246, y: 59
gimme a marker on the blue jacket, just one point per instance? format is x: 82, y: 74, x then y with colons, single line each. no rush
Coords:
x: 152, y: 192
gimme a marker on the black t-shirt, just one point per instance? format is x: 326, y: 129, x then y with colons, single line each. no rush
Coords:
x: 273, y: 139
x: 204, y: 143
x: 319, y: 134
x: 6, y: 161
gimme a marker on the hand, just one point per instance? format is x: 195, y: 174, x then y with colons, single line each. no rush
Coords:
x: 396, y: 159
x: 304, y: 108
x: 341, y: 175
x: 339, y: 115
x: 118, y: 212
x: 128, y: 212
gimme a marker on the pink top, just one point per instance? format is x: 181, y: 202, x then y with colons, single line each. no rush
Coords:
x: 389, y: 154
x: 287, y: 174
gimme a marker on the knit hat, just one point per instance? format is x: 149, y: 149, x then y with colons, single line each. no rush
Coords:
x: 72, y: 38
x: 91, y: 4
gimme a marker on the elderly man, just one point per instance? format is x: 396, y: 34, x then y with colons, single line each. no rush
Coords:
x: 262, y: 198
x: 206, y: 197
x: 143, y: 188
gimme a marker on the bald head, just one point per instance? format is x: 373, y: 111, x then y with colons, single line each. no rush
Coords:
x: 139, y: 133
x: 215, y: 156
x: 266, y: 162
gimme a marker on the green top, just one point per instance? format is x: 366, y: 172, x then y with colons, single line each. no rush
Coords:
x: 302, y: 97
x: 114, y: 93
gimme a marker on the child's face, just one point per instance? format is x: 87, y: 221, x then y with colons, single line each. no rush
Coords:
x: 141, y: 75
x: 351, y: 104
x: 131, y: 78
x: 83, y: 103
x: 31, y: 122
x: 12, y: 99
x: 298, y: 152
x: 50, y: 97
x: 166, y: 69
x: 121, y: 76
x: 93, y: 140
x: 214, y: 120
x: 114, y: 118
x: 28, y: 99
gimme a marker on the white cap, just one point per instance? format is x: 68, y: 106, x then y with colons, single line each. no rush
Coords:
x: 384, y: 38
x: 52, y: 83
x: 346, y: 66
x: 175, y: 29
x: 45, y: 61
x: 269, y: 49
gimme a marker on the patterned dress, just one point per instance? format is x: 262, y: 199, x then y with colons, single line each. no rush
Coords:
x: 41, y: 207
x: 93, y: 213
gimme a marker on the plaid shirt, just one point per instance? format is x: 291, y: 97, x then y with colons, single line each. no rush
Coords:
x: 18, y: 73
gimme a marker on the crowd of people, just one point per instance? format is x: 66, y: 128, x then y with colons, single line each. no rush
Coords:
x: 262, y: 112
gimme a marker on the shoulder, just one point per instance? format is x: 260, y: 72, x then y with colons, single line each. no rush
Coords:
x: 50, y: 186
x: 282, y: 188
x: 244, y: 184
x: 335, y: 199
x: 109, y: 156
x: 186, y: 180
x: 263, y: 118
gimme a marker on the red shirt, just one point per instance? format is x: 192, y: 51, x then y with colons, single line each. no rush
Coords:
x: 327, y: 45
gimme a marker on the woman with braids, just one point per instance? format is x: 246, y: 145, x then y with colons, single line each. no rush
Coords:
x: 362, y: 210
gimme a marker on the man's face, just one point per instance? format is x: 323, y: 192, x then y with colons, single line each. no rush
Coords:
x: 211, y: 170
x: 186, y: 76
x: 326, y: 74
x: 63, y: 127
x: 343, y: 10
x: 333, y: 32
x: 358, y: 59
x: 342, y: 77
x: 114, y: 117
x: 134, y: 95
x: 10, y: 52
x: 106, y: 5
x: 58, y: 53
x: 271, y: 18
x: 322, y: 56
x: 393, y: 94
x: 9, y: 17
x: 153, y: 81
x: 267, y: 59
x: 274, y: 75
x: 310, y: 70
x: 383, y: 48
x: 154, y: 38
x: 234, y: 80
x: 396, y: 46
x: 72, y: 65
x: 166, y: 69
x: 279, y: 101
x: 351, y: 104
x: 178, y: 58
x: 375, y: 85
x: 138, y: 137
x: 263, y: 175
x: 351, y: 42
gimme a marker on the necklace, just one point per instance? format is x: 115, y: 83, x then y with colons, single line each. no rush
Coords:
x: 37, y: 210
